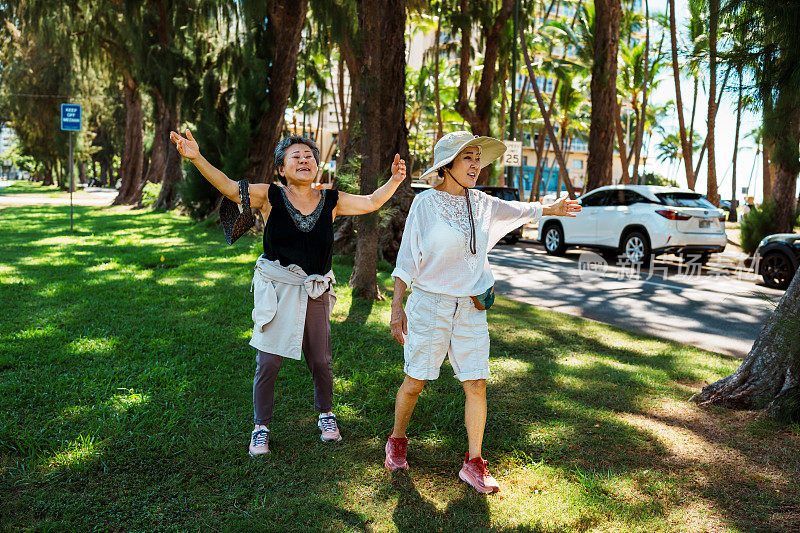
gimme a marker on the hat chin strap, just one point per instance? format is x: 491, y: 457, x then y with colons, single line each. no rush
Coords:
x: 454, y: 179
x: 472, y: 241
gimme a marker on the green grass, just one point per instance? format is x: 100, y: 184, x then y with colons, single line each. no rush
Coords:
x: 126, y: 405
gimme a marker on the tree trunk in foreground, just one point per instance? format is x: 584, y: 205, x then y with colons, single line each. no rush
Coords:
x: 383, y: 133
x: 133, y: 155
x: 599, y: 165
x: 769, y: 378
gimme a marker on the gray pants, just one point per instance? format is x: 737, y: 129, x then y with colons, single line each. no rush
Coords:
x: 316, y: 352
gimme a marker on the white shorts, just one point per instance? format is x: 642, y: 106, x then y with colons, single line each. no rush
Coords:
x: 440, y: 325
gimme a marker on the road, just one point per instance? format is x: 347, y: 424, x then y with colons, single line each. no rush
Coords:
x: 717, y: 310
x: 90, y: 196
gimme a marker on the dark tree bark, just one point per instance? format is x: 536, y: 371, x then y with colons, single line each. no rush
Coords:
x: 786, y: 164
x: 713, y: 193
x: 686, y: 143
x: 603, y: 93
x: 479, y: 117
x: 622, y: 148
x: 284, y: 25
x: 382, y: 132
x: 158, y: 154
x: 172, y: 173
x: 133, y: 155
x: 769, y: 378
x: 638, y: 139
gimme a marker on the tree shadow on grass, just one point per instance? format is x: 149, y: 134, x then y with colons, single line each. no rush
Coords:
x: 178, y: 337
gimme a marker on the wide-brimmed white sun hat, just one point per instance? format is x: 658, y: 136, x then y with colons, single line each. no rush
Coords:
x: 449, y: 146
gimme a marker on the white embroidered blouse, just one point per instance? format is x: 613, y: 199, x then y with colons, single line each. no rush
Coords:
x: 434, y: 254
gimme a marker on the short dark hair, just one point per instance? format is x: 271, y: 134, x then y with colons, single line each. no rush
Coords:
x: 440, y: 170
x: 286, y: 142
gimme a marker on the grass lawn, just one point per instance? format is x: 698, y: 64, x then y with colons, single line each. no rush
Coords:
x: 126, y: 405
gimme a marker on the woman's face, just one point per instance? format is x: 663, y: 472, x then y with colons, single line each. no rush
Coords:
x: 299, y: 165
x: 467, y: 166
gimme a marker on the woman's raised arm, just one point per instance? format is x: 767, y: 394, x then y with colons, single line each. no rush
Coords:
x: 189, y: 149
x: 356, y: 204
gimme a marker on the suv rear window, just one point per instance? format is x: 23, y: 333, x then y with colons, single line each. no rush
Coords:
x: 685, y: 199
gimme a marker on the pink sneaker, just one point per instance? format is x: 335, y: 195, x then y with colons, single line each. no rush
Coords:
x: 474, y: 472
x: 330, y: 430
x: 259, y: 441
x: 396, y: 454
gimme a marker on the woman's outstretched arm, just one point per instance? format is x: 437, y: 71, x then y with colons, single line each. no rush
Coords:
x: 356, y: 204
x: 189, y: 149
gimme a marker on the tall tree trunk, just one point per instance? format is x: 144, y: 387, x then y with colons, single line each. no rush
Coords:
x: 787, y: 165
x: 694, y: 109
x: 686, y: 143
x: 168, y: 196
x: 705, y: 142
x: 158, y: 153
x: 382, y: 132
x: 622, y: 148
x: 133, y: 155
x: 603, y: 93
x: 712, y: 194
x: 769, y: 378
x: 540, y: 141
x: 479, y: 117
x: 638, y: 138
x: 284, y: 25
x: 766, y: 168
x: 734, y: 216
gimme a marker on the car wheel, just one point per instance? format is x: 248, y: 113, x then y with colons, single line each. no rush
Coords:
x: 635, y: 248
x: 554, y: 240
x: 512, y: 239
x: 777, y: 271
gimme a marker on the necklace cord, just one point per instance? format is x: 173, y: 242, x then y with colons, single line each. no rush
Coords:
x: 472, y: 244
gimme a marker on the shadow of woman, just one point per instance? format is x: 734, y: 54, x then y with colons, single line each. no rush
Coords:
x: 415, y: 513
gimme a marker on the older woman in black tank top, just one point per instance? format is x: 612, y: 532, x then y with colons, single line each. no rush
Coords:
x: 299, y: 231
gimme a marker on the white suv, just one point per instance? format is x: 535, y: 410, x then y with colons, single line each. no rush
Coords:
x: 637, y: 222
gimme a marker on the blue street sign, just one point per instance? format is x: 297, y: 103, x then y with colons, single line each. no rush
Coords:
x: 70, y: 117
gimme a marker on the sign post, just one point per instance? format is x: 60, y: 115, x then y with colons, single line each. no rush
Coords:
x: 70, y: 121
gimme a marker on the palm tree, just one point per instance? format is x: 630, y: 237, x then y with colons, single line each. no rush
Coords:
x: 603, y: 92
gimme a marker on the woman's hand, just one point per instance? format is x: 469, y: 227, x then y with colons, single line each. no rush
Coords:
x: 398, y: 323
x: 398, y: 168
x: 563, y: 208
x: 187, y: 146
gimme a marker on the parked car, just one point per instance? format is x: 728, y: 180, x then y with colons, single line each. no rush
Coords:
x: 638, y: 222
x: 777, y: 258
x: 504, y: 193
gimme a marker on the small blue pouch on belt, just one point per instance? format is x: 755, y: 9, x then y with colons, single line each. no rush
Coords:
x: 485, y: 300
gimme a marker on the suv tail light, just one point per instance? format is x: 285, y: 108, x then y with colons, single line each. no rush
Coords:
x: 672, y: 215
x: 722, y: 219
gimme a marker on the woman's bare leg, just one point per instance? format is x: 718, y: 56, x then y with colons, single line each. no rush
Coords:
x: 475, y: 414
x: 407, y: 397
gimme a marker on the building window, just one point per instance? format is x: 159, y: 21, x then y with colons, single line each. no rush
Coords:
x: 577, y: 163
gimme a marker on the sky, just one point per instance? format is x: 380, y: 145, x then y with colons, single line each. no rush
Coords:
x: 724, y: 131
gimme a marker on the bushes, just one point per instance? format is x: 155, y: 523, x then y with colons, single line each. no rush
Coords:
x: 756, y: 225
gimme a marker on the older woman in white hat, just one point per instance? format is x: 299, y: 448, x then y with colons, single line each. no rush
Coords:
x: 443, y: 258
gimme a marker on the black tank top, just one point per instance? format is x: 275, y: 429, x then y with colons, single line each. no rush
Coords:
x: 292, y: 238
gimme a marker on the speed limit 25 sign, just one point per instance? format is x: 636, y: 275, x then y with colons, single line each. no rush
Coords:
x: 513, y: 155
